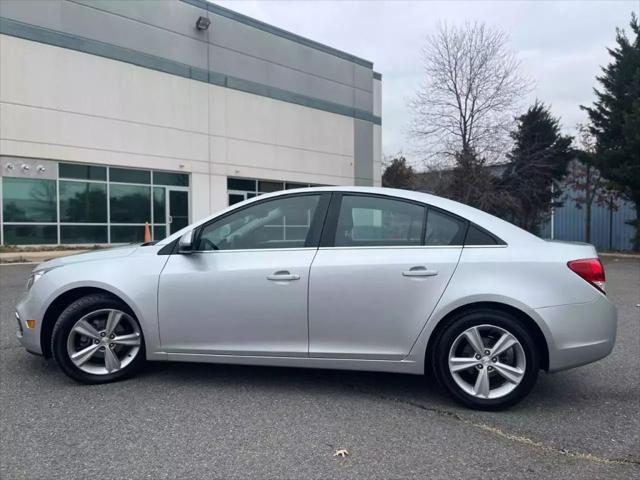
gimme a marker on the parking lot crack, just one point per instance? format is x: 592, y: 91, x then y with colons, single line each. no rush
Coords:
x: 511, y: 437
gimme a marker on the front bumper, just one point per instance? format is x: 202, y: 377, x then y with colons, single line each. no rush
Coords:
x: 578, y: 334
x: 28, y: 337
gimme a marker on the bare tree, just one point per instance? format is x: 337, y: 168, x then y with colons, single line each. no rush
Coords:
x: 470, y: 96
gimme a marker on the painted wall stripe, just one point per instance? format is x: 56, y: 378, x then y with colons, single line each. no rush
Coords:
x: 252, y: 22
x: 95, y: 47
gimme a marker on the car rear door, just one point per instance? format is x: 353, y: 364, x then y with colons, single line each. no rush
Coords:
x: 382, y: 266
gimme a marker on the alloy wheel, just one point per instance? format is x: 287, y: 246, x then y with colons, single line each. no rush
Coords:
x: 104, y: 341
x: 487, y: 361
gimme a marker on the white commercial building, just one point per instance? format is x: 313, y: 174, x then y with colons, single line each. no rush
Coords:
x: 114, y: 113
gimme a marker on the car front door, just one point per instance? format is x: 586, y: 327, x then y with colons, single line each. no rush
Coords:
x: 243, y: 291
x: 378, y: 275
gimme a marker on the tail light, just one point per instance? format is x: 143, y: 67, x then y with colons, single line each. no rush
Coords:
x: 591, y: 270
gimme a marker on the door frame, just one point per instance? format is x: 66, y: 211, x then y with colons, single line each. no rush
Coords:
x: 167, y: 200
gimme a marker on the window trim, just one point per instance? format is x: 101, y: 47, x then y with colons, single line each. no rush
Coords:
x: 313, y: 236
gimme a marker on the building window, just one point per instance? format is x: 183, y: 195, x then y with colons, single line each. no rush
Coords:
x: 172, y: 179
x: 28, y: 200
x: 30, y: 234
x: 128, y: 175
x: 83, y: 202
x: 93, y: 204
x: 130, y: 204
x: 241, y: 189
x: 82, y: 172
x: 83, y: 234
x: 127, y: 234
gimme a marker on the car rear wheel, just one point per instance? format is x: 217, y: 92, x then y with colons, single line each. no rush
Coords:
x: 97, y: 339
x: 486, y: 359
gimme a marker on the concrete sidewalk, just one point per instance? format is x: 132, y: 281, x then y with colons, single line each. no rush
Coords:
x: 35, y: 257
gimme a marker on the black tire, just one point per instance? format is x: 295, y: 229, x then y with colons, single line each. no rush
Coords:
x: 455, y: 327
x: 68, y: 319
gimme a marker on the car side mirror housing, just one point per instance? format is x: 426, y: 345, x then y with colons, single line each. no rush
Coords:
x: 185, y: 244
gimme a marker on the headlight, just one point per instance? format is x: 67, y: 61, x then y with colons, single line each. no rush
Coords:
x: 34, y: 277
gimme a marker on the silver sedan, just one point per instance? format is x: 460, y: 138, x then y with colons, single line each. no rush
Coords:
x: 331, y: 277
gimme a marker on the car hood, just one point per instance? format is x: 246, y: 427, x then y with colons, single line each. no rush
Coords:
x: 102, y: 254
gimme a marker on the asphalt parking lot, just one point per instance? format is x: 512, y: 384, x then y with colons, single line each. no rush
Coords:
x: 216, y: 421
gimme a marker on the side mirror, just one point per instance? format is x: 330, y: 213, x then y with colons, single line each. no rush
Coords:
x: 185, y: 244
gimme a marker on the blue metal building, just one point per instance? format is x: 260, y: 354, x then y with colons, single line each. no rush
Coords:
x: 609, y: 227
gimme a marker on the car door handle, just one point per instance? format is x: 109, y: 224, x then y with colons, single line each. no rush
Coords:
x: 283, y: 276
x: 419, y: 272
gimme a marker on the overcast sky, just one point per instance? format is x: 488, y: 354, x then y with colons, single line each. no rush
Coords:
x: 561, y: 44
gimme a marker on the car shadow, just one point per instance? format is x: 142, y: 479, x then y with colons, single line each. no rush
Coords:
x: 285, y: 378
x: 553, y: 392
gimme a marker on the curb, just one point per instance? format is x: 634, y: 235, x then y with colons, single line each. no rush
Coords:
x: 619, y: 255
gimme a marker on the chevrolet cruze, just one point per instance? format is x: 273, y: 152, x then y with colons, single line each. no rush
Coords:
x: 331, y: 277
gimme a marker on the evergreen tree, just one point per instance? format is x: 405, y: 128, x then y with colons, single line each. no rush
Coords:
x: 586, y: 185
x: 399, y: 175
x: 538, y: 159
x: 615, y: 118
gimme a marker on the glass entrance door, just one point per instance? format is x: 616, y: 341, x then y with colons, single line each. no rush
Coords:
x: 178, y: 210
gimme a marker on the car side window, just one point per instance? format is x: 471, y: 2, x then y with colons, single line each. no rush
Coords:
x: 278, y: 223
x: 476, y: 236
x: 444, y: 229
x: 374, y: 221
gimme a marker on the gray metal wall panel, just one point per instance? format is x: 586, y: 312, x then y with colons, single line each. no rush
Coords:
x: 363, y: 100
x: 178, y: 17
x: 363, y: 78
x: 252, y: 41
x: 363, y: 154
x: 105, y: 27
x: 227, y: 13
x: 363, y: 182
x: 44, y: 13
x: 261, y: 71
x: 237, y: 65
x: 310, y: 85
x: 82, y: 21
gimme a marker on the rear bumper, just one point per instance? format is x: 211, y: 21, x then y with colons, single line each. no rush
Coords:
x: 578, y: 334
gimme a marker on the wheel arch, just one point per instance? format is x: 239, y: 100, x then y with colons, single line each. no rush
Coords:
x: 530, y: 324
x: 60, y: 303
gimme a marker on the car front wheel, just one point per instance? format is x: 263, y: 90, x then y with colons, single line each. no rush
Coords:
x: 486, y: 359
x: 97, y: 339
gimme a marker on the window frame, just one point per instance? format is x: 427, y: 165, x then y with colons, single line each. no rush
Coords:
x: 327, y: 239
x: 313, y: 236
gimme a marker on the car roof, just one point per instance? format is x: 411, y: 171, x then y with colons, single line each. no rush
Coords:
x: 505, y: 230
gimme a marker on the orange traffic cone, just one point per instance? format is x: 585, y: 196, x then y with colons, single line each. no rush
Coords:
x: 147, y: 232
